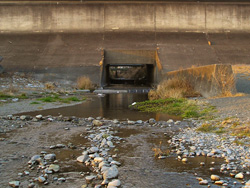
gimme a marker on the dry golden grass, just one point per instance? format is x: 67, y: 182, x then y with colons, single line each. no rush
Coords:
x: 84, y: 83
x: 225, y: 81
x: 173, y: 88
x: 159, y: 152
x: 49, y: 85
x: 241, y: 69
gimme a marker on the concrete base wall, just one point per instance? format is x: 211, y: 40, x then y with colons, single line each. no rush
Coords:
x: 65, y: 56
x: 210, y: 81
x: 131, y: 16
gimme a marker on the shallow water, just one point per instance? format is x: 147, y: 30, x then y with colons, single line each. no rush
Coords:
x: 109, y: 106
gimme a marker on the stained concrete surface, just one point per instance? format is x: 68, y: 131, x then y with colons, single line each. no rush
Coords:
x: 65, y: 56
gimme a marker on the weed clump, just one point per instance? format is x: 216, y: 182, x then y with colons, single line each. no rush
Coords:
x: 173, y: 88
x: 206, y: 127
x: 172, y: 106
x: 50, y: 85
x: 84, y: 83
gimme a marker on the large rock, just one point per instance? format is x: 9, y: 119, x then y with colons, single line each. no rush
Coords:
x: 111, y: 173
x: 82, y: 158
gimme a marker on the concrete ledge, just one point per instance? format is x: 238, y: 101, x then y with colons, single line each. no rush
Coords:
x: 210, y: 81
x: 124, y: 16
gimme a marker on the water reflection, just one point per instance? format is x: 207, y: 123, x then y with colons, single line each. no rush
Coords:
x: 110, y: 106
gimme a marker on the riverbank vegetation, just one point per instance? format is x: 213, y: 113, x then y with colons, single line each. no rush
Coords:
x: 179, y: 107
x: 173, y: 88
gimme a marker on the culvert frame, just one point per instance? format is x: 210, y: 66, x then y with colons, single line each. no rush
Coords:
x: 130, y: 68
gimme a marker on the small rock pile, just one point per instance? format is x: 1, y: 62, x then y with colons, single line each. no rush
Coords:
x: 45, y: 165
x: 104, y: 167
x: 190, y: 143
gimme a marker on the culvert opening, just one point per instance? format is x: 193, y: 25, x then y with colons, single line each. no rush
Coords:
x: 129, y: 68
x: 134, y: 75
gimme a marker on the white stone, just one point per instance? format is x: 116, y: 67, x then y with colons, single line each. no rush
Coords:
x: 39, y: 116
x: 90, y: 178
x: 115, y: 163
x: 239, y: 176
x: 111, y: 173
x: 115, y: 183
x: 203, y: 182
x: 93, y: 149
x: 82, y: 158
x: 50, y: 157
x: 220, y: 182
x: 98, y: 159
x: 215, y: 177
x: 14, y: 183
x: 110, y: 144
x: 184, y: 160
x: 41, y: 179
x: 54, y: 168
x: 97, y: 123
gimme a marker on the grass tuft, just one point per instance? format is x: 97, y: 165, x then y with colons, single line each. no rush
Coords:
x: 206, y: 127
x: 173, y: 88
x: 84, y: 83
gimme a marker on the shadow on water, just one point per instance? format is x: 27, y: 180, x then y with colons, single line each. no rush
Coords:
x: 110, y: 106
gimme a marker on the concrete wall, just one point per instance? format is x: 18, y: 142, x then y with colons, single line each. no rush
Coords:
x: 140, y: 16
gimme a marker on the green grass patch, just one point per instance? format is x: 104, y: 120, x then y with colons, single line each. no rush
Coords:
x: 172, y: 106
x: 4, y: 96
x: 35, y: 102
x: 57, y: 98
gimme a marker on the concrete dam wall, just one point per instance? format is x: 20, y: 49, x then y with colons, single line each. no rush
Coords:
x: 124, y: 16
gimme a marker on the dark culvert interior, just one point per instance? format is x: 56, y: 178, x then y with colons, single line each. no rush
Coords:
x: 130, y: 75
x: 128, y: 69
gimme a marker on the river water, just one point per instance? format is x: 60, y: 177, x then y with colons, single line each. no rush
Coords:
x: 109, y: 106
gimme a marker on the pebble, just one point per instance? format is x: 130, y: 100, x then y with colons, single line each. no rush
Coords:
x: 215, y: 177
x: 115, y: 183
x: 184, y: 160
x: 98, y: 159
x: 14, y: 183
x: 62, y: 179
x: 50, y: 157
x: 93, y: 150
x: 110, y: 173
x: 31, y: 185
x: 203, y: 182
x: 97, y: 123
x: 220, y: 182
x: 82, y: 158
x: 239, y: 176
x: 41, y: 179
x: 89, y: 178
x: 54, y: 168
